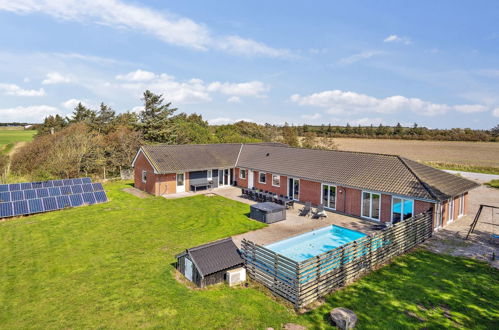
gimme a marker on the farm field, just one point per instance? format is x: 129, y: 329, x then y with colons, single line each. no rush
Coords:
x: 110, y: 266
x: 9, y: 136
x: 482, y: 154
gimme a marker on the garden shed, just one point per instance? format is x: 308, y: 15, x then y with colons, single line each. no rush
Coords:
x: 207, y: 264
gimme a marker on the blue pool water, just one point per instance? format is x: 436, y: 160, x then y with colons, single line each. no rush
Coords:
x: 313, y: 243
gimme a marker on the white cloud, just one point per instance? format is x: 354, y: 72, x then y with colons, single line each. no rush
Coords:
x: 359, y: 57
x: 396, y: 38
x: 470, y: 108
x: 12, y: 89
x: 138, y: 108
x: 495, y: 112
x: 55, y: 78
x: 167, y: 27
x: 312, y: 117
x: 72, y: 103
x: 32, y: 114
x: 225, y: 121
x: 184, y: 92
x: 251, y: 88
x: 234, y: 99
x: 339, y: 102
x: 138, y: 75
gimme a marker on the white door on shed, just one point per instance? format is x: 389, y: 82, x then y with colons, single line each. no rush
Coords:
x: 250, y: 179
x: 180, y: 182
x: 188, y: 269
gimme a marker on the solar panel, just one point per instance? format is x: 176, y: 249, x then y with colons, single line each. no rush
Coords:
x: 14, y: 186
x: 20, y: 208
x: 63, y: 202
x: 87, y: 188
x: 49, y: 203
x: 97, y: 186
x: 77, y: 189
x: 18, y: 199
x: 6, y: 210
x: 66, y: 190
x: 43, y: 192
x: 100, y: 196
x: 17, y: 195
x: 4, y: 196
x: 76, y: 200
x: 54, y: 191
x: 35, y: 205
x: 30, y: 194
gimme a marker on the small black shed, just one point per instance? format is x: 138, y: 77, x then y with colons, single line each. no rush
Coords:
x: 207, y: 264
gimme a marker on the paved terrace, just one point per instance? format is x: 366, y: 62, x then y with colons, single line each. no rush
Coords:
x: 294, y: 224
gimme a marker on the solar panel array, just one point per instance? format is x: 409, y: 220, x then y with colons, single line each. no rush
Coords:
x: 18, y: 199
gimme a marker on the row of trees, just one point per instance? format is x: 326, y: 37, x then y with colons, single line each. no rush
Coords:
x: 400, y: 132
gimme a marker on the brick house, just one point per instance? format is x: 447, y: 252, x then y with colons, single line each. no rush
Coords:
x: 377, y: 187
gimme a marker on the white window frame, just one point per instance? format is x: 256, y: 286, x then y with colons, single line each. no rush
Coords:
x: 241, y: 171
x: 279, y: 179
x: 450, y: 212
x: 144, y: 176
x: 209, y: 175
x: 370, y: 204
x: 402, y: 209
x: 260, y: 176
x: 461, y: 206
x: 335, y: 195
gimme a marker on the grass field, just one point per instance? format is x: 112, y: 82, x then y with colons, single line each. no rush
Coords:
x: 466, y: 156
x: 9, y: 136
x: 110, y: 266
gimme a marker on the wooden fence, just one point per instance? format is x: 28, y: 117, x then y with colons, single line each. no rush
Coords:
x: 303, y: 282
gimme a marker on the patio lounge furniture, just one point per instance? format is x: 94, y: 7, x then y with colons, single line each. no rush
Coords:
x: 320, y: 212
x: 305, y: 211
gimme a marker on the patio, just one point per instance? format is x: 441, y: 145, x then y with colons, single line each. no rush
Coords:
x: 294, y: 223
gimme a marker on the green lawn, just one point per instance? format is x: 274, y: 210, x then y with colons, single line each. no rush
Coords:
x: 110, y: 266
x: 10, y: 136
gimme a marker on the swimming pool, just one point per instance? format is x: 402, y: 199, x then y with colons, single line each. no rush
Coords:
x: 311, y: 244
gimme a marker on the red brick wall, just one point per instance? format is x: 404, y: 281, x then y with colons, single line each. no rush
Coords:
x: 353, y: 200
x: 386, y: 208
x: 340, y: 199
x: 466, y: 199
x: 281, y: 190
x: 456, y: 207
x: 166, y: 184
x: 241, y: 182
x: 156, y: 184
x: 310, y: 191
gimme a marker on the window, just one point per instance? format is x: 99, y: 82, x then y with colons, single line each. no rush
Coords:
x: 402, y: 209
x: 144, y: 176
x: 329, y: 196
x: 450, y: 214
x: 276, y: 180
x: 180, y: 179
x: 209, y: 175
x: 461, y: 205
x: 242, y: 174
x: 371, y: 205
x: 262, y: 177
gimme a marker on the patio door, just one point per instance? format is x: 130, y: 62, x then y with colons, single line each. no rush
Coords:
x: 451, y: 210
x: 180, y: 182
x: 329, y: 196
x: 223, y: 177
x: 250, y: 179
x: 294, y: 188
x: 188, y: 268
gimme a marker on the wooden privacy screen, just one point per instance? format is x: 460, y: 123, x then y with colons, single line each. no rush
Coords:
x: 303, y: 282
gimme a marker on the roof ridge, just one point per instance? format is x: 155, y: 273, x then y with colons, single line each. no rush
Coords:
x: 209, y: 244
x: 432, y: 194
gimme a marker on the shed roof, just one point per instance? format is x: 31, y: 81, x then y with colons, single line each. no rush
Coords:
x: 215, y: 256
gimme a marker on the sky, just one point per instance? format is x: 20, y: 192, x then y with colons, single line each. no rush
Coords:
x: 434, y: 63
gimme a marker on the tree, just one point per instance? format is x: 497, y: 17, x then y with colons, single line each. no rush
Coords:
x: 155, y: 118
x: 104, y: 119
x: 495, y: 131
x: 52, y: 124
x: 82, y: 114
x: 289, y: 135
x: 309, y: 140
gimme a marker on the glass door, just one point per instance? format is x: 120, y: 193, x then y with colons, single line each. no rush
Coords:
x: 329, y: 196
x: 180, y: 182
x: 294, y: 188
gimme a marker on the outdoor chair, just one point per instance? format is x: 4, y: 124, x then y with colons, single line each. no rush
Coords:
x: 305, y: 211
x: 290, y: 204
x: 320, y: 212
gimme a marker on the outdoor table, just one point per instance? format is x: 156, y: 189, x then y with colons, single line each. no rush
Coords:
x: 268, y: 212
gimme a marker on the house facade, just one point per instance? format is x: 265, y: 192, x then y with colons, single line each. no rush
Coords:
x: 377, y: 187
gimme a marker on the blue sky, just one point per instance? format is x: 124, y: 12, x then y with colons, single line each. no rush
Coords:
x: 431, y: 62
